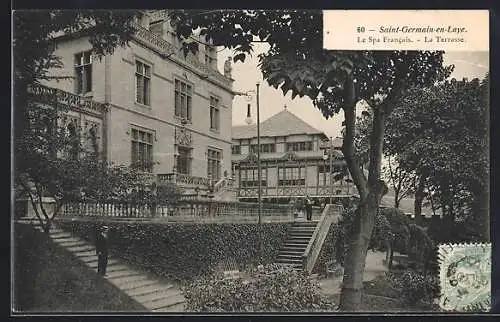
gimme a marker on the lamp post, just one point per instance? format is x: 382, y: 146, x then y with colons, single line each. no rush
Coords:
x: 330, y: 156
x: 259, y: 176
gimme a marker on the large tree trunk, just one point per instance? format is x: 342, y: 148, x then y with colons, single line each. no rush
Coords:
x: 357, y: 248
x: 370, y: 193
x: 419, y: 200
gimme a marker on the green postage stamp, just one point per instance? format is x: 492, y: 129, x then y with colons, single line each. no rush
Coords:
x: 465, y: 277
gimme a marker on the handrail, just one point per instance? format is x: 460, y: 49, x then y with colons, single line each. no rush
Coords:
x: 315, y: 244
x: 220, y: 184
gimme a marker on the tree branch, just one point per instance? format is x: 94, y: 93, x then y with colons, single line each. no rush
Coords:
x: 376, y: 146
x: 348, y: 143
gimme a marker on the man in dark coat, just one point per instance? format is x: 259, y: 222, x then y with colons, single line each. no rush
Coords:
x: 101, y: 245
x: 309, y: 205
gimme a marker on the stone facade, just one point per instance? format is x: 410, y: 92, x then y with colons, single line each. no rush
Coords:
x: 119, y: 81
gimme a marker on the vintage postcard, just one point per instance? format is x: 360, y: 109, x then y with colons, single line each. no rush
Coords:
x: 172, y: 161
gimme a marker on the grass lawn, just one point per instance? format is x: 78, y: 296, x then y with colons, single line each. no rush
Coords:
x: 48, y: 278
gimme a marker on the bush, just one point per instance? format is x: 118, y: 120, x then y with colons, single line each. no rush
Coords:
x: 185, y: 251
x: 274, y: 288
x: 415, y: 287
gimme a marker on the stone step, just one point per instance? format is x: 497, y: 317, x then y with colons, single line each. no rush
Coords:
x: 179, y: 307
x: 138, y: 284
x: 286, y: 252
x: 164, y: 303
x: 289, y: 256
x: 92, y: 261
x: 298, y: 241
x: 67, y: 240
x: 117, y: 268
x: 305, y: 224
x: 301, y: 245
x: 120, y: 273
x: 162, y: 293
x: 299, y: 236
x: 59, y: 235
x: 294, y: 236
x: 81, y: 248
x: 148, y: 289
x: 124, y: 280
x: 85, y: 253
x: 302, y: 228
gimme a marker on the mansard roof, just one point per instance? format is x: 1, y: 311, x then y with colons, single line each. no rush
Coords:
x: 284, y: 123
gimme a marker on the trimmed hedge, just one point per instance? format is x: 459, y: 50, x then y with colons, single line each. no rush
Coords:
x: 273, y: 288
x: 185, y: 251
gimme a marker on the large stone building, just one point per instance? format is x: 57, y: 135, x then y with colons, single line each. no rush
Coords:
x: 147, y: 105
x: 295, y: 161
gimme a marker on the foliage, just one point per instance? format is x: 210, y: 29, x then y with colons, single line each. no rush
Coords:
x: 415, y: 287
x: 441, y: 132
x: 184, y: 251
x: 334, y: 80
x: 57, y: 164
x: 49, y: 160
x: 274, y: 289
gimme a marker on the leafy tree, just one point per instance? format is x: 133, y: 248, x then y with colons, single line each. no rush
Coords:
x: 34, y: 44
x: 441, y: 133
x: 401, y: 179
x: 49, y: 161
x: 335, y: 81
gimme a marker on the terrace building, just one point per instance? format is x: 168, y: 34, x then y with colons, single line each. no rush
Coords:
x: 295, y: 161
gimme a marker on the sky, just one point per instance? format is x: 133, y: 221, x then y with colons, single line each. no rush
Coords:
x: 272, y: 101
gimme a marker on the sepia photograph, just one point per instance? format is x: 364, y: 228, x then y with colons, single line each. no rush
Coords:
x: 175, y: 161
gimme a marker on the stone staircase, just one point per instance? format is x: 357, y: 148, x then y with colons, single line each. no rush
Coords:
x: 296, y: 243
x: 153, y: 294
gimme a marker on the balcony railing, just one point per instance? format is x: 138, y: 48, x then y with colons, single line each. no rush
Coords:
x: 50, y: 95
x: 161, y: 45
x: 188, y: 210
x: 181, y: 178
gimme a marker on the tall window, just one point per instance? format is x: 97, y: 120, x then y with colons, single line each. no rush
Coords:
x: 250, y: 177
x: 142, y: 150
x: 236, y: 149
x: 264, y: 148
x: 324, y: 173
x: 73, y: 139
x: 214, y: 113
x: 299, y: 146
x: 293, y: 176
x: 214, y: 158
x: 183, y: 99
x: 184, y: 160
x: 83, y: 71
x: 142, y: 83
